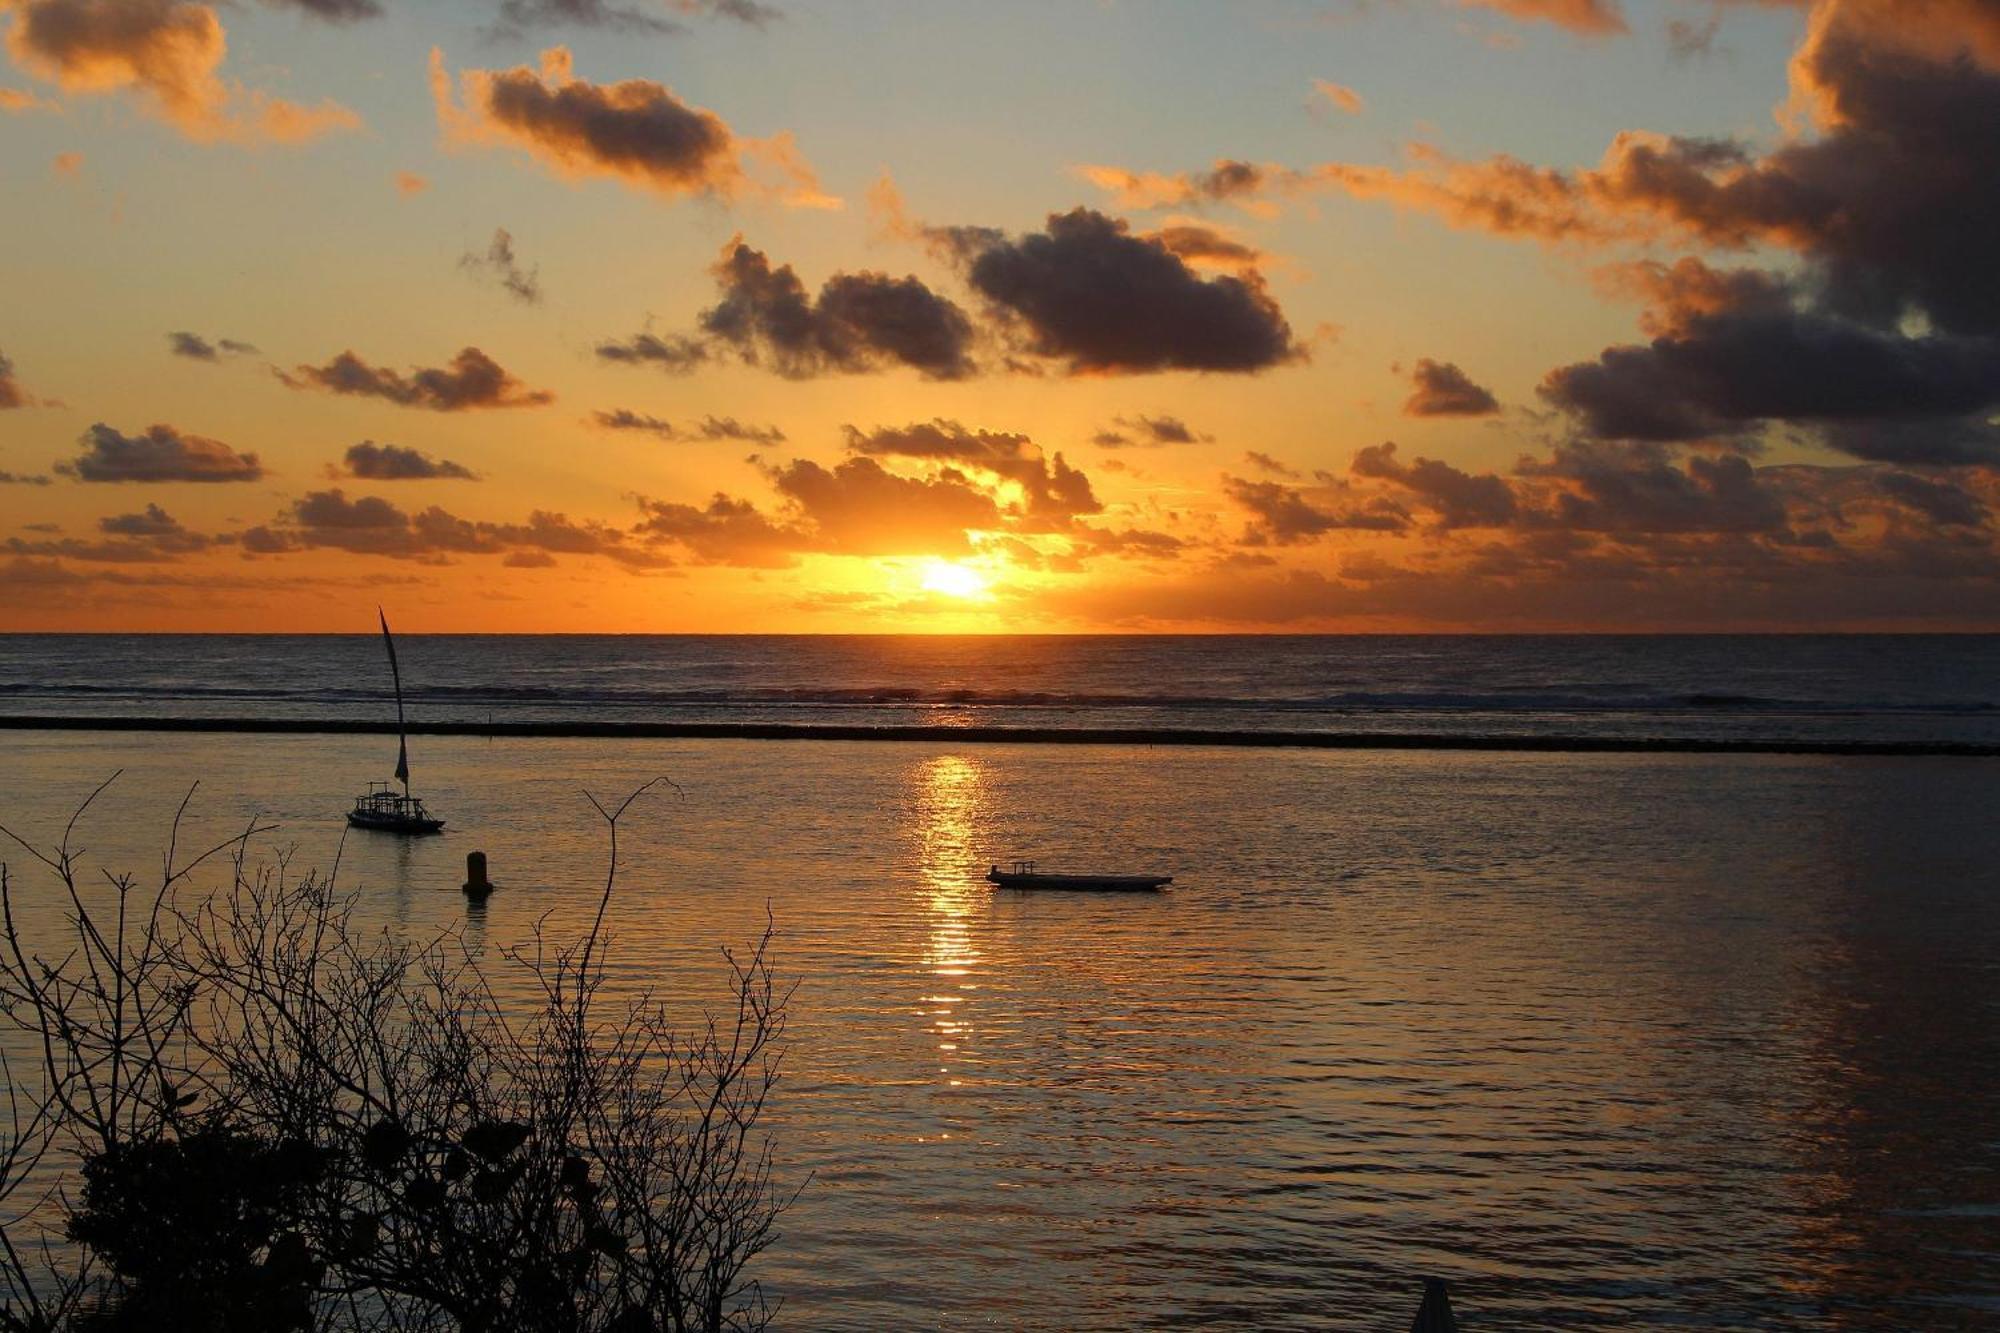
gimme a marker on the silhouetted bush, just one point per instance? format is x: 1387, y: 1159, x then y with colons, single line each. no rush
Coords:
x: 264, y: 1119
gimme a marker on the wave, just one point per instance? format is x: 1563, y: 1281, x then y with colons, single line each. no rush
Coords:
x: 1609, y: 700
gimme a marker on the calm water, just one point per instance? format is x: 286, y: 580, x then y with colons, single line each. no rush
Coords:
x: 1609, y: 1041
x: 1805, y: 687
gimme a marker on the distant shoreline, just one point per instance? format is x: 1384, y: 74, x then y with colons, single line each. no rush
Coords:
x: 1002, y: 735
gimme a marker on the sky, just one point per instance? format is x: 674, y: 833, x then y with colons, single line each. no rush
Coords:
x: 1054, y: 316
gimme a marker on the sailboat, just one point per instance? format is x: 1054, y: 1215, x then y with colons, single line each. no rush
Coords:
x: 382, y: 807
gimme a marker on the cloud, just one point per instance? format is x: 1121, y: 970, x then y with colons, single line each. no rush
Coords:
x: 370, y: 461
x: 635, y: 131
x: 858, y: 322
x: 1284, y: 515
x: 473, y: 381
x: 17, y: 100
x: 409, y: 183
x: 19, y: 479
x: 519, y: 15
x: 370, y: 525
x: 550, y: 533
x: 1205, y: 245
x: 1629, y: 489
x: 1460, y: 499
x: 197, y: 348
x: 150, y: 537
x: 1089, y: 293
x: 858, y: 508
x: 161, y: 453
x: 1053, y: 492
x: 677, y: 355
x: 726, y: 531
x: 499, y: 264
x: 1271, y: 466
x: 1730, y: 370
x: 1441, y: 389
x: 11, y: 392
x: 1586, y: 18
x: 1229, y: 180
x: 1141, y: 429
x: 333, y: 11
x: 169, y: 52
x: 707, y: 429
x: 1940, y: 501
x: 1339, y: 96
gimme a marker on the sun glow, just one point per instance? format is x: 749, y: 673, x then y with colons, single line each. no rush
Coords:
x: 941, y: 576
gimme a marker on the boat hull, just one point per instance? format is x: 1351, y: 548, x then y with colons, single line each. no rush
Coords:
x: 411, y: 828
x: 1004, y: 879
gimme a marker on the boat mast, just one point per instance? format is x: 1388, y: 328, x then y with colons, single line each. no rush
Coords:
x: 402, y: 733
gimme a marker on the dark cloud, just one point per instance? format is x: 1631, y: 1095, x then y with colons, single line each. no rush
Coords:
x: 370, y: 525
x: 369, y: 461
x: 676, y: 355
x: 1284, y: 515
x: 150, y: 537
x: 1625, y: 489
x: 499, y: 265
x: 1460, y: 499
x: 1126, y: 543
x: 197, y: 348
x: 11, y: 392
x: 1916, y: 441
x: 636, y: 131
x: 1441, y: 389
x: 18, y: 479
x: 1148, y: 430
x: 1939, y: 500
x: 473, y: 381
x: 726, y: 531
x: 516, y: 16
x: 858, y: 322
x: 554, y: 534
x: 1089, y: 293
x: 161, y: 453
x: 333, y: 11
x: 708, y: 429
x: 1265, y: 463
x: 1729, y: 371
x: 1053, y: 492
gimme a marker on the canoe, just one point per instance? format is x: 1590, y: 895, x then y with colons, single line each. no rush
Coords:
x: 1038, y: 879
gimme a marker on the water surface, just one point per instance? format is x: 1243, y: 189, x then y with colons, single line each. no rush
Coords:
x: 1611, y: 1041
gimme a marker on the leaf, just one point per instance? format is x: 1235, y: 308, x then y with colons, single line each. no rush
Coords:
x: 495, y: 1140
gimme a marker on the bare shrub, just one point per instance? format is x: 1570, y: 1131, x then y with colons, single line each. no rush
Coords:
x: 366, y: 1136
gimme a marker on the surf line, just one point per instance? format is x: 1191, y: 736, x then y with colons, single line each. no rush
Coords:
x: 1002, y: 735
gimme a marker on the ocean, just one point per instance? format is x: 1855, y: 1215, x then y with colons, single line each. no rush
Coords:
x: 1903, y: 689
x: 1608, y: 1040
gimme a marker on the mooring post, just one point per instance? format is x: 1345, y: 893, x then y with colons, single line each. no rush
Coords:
x: 1434, y: 1315
x: 477, y: 886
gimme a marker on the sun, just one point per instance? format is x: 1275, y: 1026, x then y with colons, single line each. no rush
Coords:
x: 941, y: 576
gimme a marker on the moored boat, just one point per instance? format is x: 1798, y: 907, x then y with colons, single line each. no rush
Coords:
x: 1024, y: 875
x: 382, y: 808
x: 387, y: 810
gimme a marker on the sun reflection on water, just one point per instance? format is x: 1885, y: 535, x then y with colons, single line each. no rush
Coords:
x: 948, y: 807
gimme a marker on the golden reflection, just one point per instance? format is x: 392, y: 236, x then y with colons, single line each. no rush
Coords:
x: 950, y: 789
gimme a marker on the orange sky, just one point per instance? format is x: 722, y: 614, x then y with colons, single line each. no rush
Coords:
x: 693, y: 315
